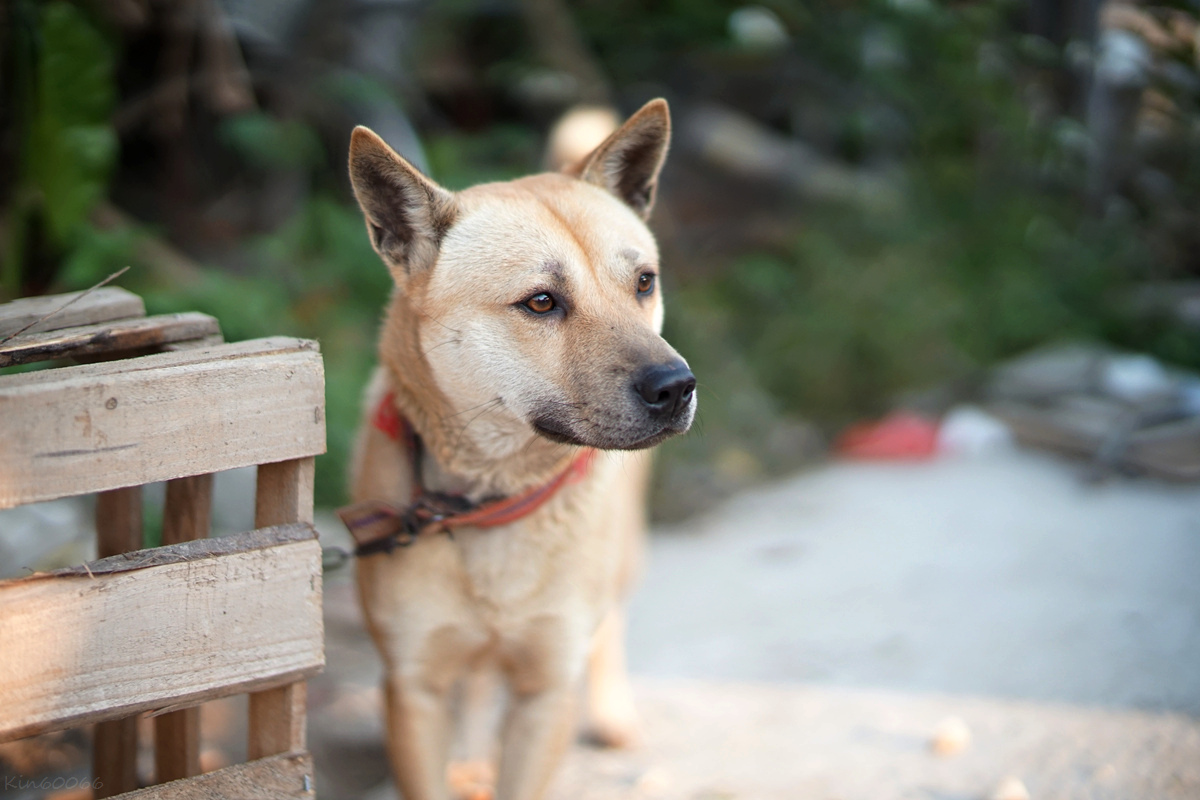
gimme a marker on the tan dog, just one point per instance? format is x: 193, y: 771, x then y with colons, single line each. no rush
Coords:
x: 522, y: 332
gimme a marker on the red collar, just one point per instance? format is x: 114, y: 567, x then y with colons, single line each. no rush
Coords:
x: 378, y: 526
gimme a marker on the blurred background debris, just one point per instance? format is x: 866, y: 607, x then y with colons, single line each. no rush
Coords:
x: 864, y: 199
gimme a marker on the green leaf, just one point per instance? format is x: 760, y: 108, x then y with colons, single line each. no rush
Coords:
x: 70, y: 146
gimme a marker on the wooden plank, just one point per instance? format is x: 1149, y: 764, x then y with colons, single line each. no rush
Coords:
x: 190, y: 551
x: 119, y: 521
x: 177, y: 745
x: 284, y: 494
x: 187, y: 510
x: 109, y: 337
x: 195, y: 344
x: 277, y: 720
x: 115, y: 742
x: 101, y: 305
x: 161, y: 629
x: 187, y: 516
x: 282, y: 777
x: 96, y: 427
x: 114, y: 757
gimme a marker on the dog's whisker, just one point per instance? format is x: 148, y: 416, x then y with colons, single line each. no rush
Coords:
x: 441, y: 344
x: 486, y: 407
x: 437, y: 321
x: 494, y: 400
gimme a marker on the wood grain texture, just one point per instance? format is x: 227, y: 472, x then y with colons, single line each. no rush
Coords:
x: 284, y: 493
x: 187, y: 516
x: 277, y: 720
x: 96, y: 427
x: 101, y: 305
x: 187, y: 510
x: 119, y: 521
x: 177, y: 745
x: 114, y: 757
x: 115, y: 742
x: 80, y: 648
x: 107, y: 337
x: 282, y: 777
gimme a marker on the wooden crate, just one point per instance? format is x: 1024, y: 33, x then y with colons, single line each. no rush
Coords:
x: 165, y: 629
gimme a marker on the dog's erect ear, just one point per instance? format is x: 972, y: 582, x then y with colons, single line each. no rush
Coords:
x: 407, y: 213
x: 627, y: 163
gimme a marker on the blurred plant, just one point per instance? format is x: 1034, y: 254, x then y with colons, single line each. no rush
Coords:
x: 61, y: 91
x: 992, y: 251
x: 316, y: 277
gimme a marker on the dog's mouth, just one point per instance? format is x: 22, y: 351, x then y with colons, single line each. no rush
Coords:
x: 597, y: 436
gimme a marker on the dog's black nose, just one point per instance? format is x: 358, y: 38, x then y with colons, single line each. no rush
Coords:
x: 665, y: 388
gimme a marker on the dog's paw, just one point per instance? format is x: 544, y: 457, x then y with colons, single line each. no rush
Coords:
x: 617, y: 733
x: 471, y: 780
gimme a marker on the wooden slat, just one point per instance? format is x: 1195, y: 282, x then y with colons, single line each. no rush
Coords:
x: 187, y: 510
x: 177, y: 745
x: 284, y: 494
x: 195, y: 344
x: 277, y: 720
x: 187, y: 516
x: 115, y: 742
x: 160, y: 629
x: 101, y: 305
x: 119, y: 521
x: 96, y: 427
x: 114, y: 757
x: 282, y: 777
x: 107, y: 337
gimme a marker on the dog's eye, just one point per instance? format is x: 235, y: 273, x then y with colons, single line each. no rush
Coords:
x: 645, y: 284
x: 540, y: 303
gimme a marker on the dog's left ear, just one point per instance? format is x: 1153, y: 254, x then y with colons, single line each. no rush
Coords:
x: 627, y: 163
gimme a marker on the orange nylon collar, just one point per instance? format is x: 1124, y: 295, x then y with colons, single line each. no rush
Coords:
x: 378, y: 526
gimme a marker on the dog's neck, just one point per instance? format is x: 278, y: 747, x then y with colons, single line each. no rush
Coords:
x: 476, y: 453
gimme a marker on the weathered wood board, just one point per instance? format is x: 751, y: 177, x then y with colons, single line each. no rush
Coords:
x: 100, y: 305
x: 160, y: 629
x: 107, y: 337
x: 282, y: 777
x: 90, y: 428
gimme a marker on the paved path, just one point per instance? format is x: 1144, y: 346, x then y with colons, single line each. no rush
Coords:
x: 1004, y: 577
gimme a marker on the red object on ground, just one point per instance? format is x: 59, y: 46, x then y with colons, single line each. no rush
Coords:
x: 901, y: 435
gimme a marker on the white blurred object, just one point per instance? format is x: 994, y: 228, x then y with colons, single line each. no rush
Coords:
x: 577, y: 133
x: 1124, y: 59
x: 968, y: 430
x: 1010, y: 789
x: 1135, y: 377
x: 950, y: 737
x: 758, y: 28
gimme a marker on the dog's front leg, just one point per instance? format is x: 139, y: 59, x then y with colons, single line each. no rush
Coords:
x: 418, y: 736
x: 537, y: 730
x: 612, y: 717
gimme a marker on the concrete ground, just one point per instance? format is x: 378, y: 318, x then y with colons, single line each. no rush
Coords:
x: 807, y: 639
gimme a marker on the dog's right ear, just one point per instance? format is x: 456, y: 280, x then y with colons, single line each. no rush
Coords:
x: 407, y: 214
x: 627, y: 163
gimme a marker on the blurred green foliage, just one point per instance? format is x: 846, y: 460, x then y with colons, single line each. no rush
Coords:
x: 63, y: 92
x: 990, y: 251
x: 317, y: 278
x: 987, y: 248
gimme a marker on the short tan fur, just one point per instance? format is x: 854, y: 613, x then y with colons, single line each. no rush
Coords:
x: 504, y: 392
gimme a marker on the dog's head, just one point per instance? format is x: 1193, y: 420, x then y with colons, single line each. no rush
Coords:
x: 536, y: 304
